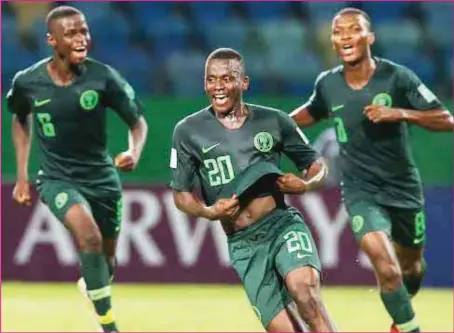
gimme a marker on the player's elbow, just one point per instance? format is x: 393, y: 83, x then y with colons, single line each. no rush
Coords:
x: 181, y: 200
x: 302, y: 117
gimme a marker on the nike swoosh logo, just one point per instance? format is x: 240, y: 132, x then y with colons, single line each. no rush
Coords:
x: 41, y: 103
x: 337, y: 107
x: 206, y: 150
x: 301, y: 256
x: 419, y: 240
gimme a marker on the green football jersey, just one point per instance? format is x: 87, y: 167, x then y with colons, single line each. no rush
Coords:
x: 70, y: 121
x: 376, y: 160
x: 205, y: 152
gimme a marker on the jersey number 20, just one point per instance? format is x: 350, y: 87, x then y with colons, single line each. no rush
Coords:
x: 46, y: 124
x: 220, y: 170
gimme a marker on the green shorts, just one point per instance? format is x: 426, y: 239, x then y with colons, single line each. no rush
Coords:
x: 265, y: 252
x: 406, y: 227
x: 59, y: 196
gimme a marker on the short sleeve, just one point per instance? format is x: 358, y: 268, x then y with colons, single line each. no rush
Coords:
x: 295, y: 144
x: 17, y: 101
x: 316, y: 104
x: 120, y: 97
x: 182, y: 163
x: 417, y: 94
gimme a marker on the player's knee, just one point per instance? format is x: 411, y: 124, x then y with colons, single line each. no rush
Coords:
x: 412, y: 268
x: 91, y: 240
x: 304, y: 291
x: 389, y: 275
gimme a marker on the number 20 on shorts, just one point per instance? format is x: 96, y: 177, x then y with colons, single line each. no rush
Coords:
x: 298, y: 242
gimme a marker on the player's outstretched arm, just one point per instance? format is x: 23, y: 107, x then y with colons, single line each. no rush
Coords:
x: 21, y: 132
x: 127, y: 161
x: 223, y: 209
x: 433, y: 120
x: 302, y: 117
x: 311, y: 178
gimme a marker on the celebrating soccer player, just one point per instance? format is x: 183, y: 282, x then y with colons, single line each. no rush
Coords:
x: 372, y: 102
x: 66, y: 97
x: 233, y: 149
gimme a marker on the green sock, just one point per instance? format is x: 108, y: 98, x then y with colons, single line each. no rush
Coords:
x: 413, y: 282
x: 95, y: 272
x: 398, y: 305
x: 111, y: 265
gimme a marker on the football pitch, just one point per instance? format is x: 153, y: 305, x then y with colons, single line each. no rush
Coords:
x: 59, y: 307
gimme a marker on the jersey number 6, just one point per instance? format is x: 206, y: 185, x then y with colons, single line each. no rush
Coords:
x: 46, y: 124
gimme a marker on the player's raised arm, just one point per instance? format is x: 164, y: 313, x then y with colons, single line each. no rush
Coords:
x: 314, y: 109
x: 21, y: 133
x: 122, y: 99
x: 424, y: 109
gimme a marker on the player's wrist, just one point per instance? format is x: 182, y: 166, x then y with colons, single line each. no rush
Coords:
x: 208, y: 212
x: 403, y: 115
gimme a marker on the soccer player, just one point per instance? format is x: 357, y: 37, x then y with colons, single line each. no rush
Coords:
x: 372, y: 102
x: 65, y: 97
x: 233, y: 150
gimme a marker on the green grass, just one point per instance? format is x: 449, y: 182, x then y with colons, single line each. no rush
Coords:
x: 146, y: 308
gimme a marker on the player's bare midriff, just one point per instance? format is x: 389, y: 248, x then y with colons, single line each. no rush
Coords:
x: 253, y: 212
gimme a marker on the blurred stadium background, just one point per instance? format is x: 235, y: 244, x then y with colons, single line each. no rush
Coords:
x: 173, y: 272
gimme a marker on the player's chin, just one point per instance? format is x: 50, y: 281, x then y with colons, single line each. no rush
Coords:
x: 77, y: 59
x: 351, y: 59
x: 222, y: 107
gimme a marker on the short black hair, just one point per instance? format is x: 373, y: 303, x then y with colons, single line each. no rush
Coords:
x: 226, y: 53
x: 355, y: 11
x: 60, y: 12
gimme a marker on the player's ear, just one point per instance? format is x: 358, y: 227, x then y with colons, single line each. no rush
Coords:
x: 51, y: 40
x: 245, y: 83
x: 370, y: 38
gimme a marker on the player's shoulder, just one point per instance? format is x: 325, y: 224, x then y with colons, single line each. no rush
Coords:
x: 193, y: 121
x: 326, y: 76
x: 99, y: 67
x: 23, y: 76
x: 394, y: 68
x: 263, y: 111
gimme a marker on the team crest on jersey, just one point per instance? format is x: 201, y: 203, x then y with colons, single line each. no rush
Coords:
x: 61, y: 199
x: 384, y: 99
x: 89, y: 99
x: 357, y: 223
x: 263, y: 141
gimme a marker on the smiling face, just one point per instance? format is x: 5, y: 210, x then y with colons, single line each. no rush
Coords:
x: 224, y: 84
x: 70, y: 38
x: 351, y: 37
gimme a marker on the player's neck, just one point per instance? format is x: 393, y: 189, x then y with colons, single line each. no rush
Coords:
x: 358, y: 75
x: 235, y: 118
x: 61, y: 71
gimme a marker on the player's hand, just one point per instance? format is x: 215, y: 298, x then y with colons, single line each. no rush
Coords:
x: 21, y: 193
x: 290, y: 183
x: 380, y: 114
x: 126, y: 161
x: 224, y: 209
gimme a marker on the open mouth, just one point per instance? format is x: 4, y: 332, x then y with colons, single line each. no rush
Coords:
x: 347, y: 49
x: 220, y: 99
x: 80, y: 51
